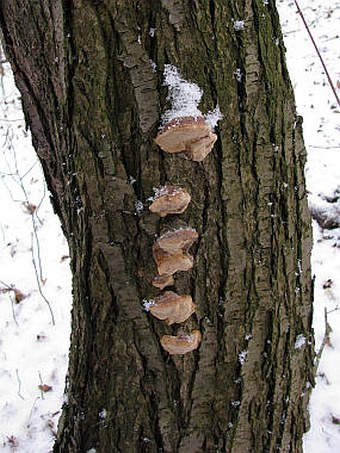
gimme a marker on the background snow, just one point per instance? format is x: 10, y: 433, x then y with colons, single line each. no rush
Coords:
x: 317, y: 104
x: 33, y: 351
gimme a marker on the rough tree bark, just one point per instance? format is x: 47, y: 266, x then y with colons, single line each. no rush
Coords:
x: 93, y: 102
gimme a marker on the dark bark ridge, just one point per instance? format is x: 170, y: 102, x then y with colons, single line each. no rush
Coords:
x: 93, y: 102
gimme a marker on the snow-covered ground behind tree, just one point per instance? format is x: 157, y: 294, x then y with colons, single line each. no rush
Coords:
x: 35, y: 281
x: 35, y: 290
x: 321, y: 126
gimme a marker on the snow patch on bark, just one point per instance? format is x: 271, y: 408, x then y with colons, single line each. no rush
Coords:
x: 300, y: 341
x: 238, y: 25
x: 147, y: 304
x: 185, y: 97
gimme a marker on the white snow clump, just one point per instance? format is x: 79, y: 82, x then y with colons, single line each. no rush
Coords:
x: 147, y: 304
x: 238, y: 25
x: 139, y: 207
x: 242, y: 357
x: 213, y: 117
x: 300, y: 341
x: 185, y: 98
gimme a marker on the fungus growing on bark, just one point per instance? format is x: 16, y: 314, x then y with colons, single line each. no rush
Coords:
x: 170, y: 251
x: 181, y: 344
x: 170, y: 200
x: 169, y: 264
x: 188, y: 134
x: 177, y: 240
x: 162, y: 281
x: 172, y: 308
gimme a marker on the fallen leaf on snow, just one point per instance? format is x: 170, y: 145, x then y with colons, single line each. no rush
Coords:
x: 45, y: 388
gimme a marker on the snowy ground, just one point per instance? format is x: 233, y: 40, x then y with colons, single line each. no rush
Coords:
x: 35, y: 291
x: 35, y: 288
x: 317, y: 104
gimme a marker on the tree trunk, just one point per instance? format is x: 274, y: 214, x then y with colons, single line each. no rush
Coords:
x: 93, y: 100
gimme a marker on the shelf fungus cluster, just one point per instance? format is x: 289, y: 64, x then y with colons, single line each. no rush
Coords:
x: 187, y: 131
x: 188, y: 134
x: 194, y: 137
x: 170, y: 252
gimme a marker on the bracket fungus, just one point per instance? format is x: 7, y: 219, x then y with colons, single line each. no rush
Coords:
x: 172, y: 308
x: 170, y: 200
x: 176, y: 240
x: 170, y: 251
x: 169, y: 264
x: 162, y: 281
x: 181, y: 344
x: 192, y: 135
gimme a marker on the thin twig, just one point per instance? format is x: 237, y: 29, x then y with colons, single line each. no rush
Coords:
x: 34, y: 225
x: 40, y: 203
x: 41, y: 385
x: 318, y: 52
x: 19, y: 385
x: 10, y: 121
x: 334, y: 309
x: 13, y: 313
x: 31, y: 411
x: 324, y: 147
x: 9, y: 190
x: 29, y: 170
x: 325, y: 340
x: 3, y: 233
x: 8, y: 290
x: 39, y: 285
x: 5, y: 284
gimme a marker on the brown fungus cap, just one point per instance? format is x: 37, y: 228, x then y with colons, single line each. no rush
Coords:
x: 172, y: 308
x: 177, y: 240
x: 170, y: 200
x: 181, y: 344
x: 162, y: 281
x: 169, y: 264
x: 187, y: 134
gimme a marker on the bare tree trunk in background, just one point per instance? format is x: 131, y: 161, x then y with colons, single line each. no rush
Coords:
x: 93, y: 103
